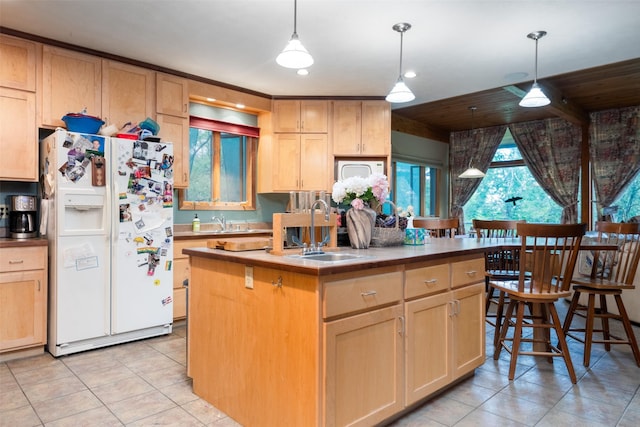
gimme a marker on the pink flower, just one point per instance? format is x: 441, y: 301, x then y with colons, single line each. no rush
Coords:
x: 357, y: 204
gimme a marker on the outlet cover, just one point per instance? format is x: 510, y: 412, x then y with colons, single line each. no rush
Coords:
x: 248, y: 277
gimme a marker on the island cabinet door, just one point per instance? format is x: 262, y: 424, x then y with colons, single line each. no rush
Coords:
x: 468, y: 329
x: 363, y: 368
x: 428, y: 345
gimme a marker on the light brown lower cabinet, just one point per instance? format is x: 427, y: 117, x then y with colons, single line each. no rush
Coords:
x: 269, y: 346
x: 23, y: 300
x: 363, y: 371
x: 444, y: 339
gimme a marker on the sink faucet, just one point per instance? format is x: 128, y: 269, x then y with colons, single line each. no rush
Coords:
x: 221, y: 219
x: 316, y: 248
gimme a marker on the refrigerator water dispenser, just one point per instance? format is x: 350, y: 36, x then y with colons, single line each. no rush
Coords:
x: 84, y: 213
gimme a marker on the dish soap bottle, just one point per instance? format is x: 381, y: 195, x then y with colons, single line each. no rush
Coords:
x: 195, y: 225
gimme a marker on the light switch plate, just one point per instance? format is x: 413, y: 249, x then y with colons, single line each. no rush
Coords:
x: 248, y: 277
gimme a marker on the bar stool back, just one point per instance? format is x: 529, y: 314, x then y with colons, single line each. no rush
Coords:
x: 612, y: 271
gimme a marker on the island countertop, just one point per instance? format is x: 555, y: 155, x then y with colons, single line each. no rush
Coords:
x: 367, y: 258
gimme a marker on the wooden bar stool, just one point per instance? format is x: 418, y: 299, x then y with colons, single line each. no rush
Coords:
x: 500, y: 264
x: 437, y: 227
x: 612, y: 271
x: 548, y: 254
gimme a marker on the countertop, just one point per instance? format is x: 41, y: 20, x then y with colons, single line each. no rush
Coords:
x: 367, y: 258
x: 6, y: 242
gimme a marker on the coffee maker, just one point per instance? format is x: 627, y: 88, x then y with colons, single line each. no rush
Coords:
x: 22, y: 217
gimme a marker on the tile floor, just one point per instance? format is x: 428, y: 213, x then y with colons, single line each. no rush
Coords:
x: 144, y: 383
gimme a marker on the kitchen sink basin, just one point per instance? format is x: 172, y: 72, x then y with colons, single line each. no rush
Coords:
x: 327, y: 257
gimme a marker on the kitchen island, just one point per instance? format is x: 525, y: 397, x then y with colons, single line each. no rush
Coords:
x: 285, y: 340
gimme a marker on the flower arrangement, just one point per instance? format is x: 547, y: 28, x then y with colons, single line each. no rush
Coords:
x: 406, y: 214
x: 356, y: 190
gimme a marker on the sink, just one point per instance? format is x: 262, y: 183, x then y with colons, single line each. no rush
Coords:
x: 327, y: 257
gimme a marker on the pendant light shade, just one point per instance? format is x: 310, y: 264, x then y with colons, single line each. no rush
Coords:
x: 535, y: 97
x: 472, y: 172
x: 400, y: 92
x: 294, y: 54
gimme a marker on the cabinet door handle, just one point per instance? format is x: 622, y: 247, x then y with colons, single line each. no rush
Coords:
x: 430, y: 282
x: 38, y: 285
x: 17, y: 261
x: 185, y: 108
x: 471, y: 273
x: 401, y: 330
x: 452, y: 309
x: 368, y: 293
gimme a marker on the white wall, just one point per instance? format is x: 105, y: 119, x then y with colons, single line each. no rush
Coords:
x: 405, y: 147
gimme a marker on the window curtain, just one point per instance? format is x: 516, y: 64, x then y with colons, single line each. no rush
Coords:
x: 614, y: 147
x: 472, y: 147
x: 551, y: 150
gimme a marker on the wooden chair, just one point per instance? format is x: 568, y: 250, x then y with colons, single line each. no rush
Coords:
x: 612, y: 271
x: 438, y: 227
x: 550, y: 253
x: 500, y: 264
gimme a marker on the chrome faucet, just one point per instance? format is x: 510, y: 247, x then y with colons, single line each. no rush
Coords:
x: 316, y: 248
x: 221, y: 219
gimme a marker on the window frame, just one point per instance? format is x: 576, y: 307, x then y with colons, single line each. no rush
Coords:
x: 250, y: 186
x: 423, y: 196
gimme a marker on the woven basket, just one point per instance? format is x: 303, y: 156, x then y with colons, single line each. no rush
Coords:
x: 382, y: 237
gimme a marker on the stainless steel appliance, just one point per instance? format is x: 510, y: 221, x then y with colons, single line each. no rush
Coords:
x: 22, y: 217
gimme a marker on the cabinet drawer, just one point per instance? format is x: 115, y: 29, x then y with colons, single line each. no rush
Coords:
x: 467, y: 272
x: 20, y: 259
x: 426, y: 280
x: 361, y: 293
x: 179, y: 245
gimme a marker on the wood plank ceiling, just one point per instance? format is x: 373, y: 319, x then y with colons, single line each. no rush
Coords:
x: 573, y: 96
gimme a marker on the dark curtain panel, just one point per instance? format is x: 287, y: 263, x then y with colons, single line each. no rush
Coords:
x: 614, y: 148
x: 477, y: 148
x: 551, y: 150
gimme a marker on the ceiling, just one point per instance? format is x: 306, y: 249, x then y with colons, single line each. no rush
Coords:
x: 461, y: 50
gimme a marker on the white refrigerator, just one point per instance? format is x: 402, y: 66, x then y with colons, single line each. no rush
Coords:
x: 108, y: 215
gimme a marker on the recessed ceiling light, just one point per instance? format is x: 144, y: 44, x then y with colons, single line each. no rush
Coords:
x: 239, y: 105
x: 410, y: 74
x: 303, y: 72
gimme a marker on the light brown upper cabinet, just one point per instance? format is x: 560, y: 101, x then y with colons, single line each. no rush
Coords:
x: 300, y: 162
x: 361, y: 128
x: 172, y: 95
x: 128, y: 93
x: 18, y: 139
x: 71, y: 82
x: 298, y: 116
x: 172, y: 108
x: 18, y: 64
x: 176, y: 130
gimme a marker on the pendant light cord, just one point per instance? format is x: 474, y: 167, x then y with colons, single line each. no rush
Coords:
x: 535, y: 79
x: 401, y: 43
x: 295, y: 18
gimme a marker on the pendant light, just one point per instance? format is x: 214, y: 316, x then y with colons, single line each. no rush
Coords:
x: 294, y: 54
x: 400, y: 92
x: 472, y: 172
x: 535, y: 97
